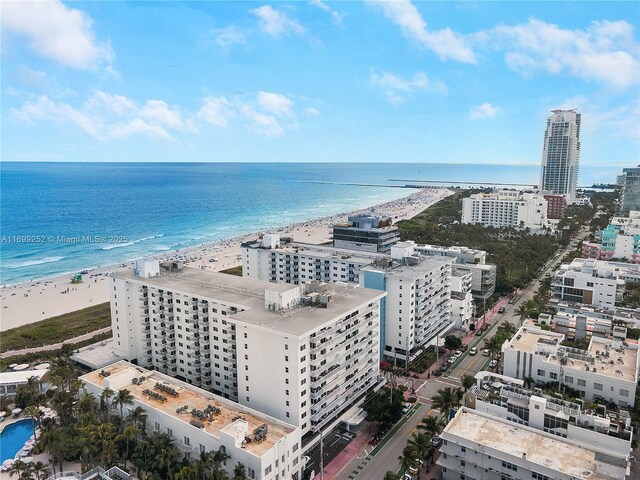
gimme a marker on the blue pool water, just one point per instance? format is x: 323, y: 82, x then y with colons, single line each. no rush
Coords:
x: 13, y: 437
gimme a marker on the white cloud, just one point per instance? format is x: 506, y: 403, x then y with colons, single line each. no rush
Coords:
x: 275, y: 103
x: 485, y: 110
x: 606, y: 51
x: 312, y: 112
x: 262, y: 123
x: 57, y: 32
x: 397, y: 87
x: 137, y: 126
x: 30, y: 77
x: 216, y: 111
x: 447, y: 44
x: 45, y: 108
x: 227, y: 37
x: 275, y: 22
x: 337, y: 16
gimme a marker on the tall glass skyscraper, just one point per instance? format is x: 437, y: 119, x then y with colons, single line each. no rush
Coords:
x: 630, y: 198
x: 561, y: 153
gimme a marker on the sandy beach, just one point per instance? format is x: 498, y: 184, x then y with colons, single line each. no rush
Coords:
x: 37, y: 300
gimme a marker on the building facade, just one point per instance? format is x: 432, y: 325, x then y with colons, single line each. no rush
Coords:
x: 506, y: 208
x: 299, y: 353
x: 556, y: 205
x: 367, y: 233
x: 619, y: 240
x: 588, y: 281
x: 630, y: 195
x: 480, y: 446
x: 561, y: 153
x: 607, y: 369
x: 201, y: 422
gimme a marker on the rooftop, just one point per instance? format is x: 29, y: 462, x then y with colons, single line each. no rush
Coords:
x: 96, y: 355
x: 604, y: 356
x: 249, y: 295
x: 540, y: 448
x: 124, y: 372
x: 16, y: 377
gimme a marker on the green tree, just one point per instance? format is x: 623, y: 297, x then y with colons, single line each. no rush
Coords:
x: 451, y: 342
x: 468, y: 381
x: 239, y: 472
x: 408, y: 458
x: 421, y: 442
x: 494, y: 345
x: 40, y: 470
x: 431, y: 425
x: 122, y: 398
x: 391, y: 476
x: 446, y: 399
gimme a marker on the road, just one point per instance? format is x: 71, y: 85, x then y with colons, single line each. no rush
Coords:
x: 387, y: 458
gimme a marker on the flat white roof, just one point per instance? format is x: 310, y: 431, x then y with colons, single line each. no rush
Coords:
x: 538, y: 447
x: 13, y: 378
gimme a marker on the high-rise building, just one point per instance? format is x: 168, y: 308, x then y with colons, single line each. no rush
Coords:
x: 300, y: 353
x: 506, y: 208
x: 630, y: 198
x: 366, y: 233
x: 561, y: 153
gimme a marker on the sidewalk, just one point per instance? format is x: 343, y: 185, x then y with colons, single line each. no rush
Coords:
x: 352, y: 449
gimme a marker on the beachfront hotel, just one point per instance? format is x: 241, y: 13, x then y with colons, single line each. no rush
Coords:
x: 486, y: 447
x: 201, y: 422
x: 607, y: 369
x: 299, y: 353
x: 506, y: 208
x: 561, y: 154
x: 418, y: 305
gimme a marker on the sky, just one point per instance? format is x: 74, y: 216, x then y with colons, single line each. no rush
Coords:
x: 316, y: 81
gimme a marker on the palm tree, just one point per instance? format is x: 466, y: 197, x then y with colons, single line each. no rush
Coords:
x: 127, y: 437
x: 408, y: 458
x: 508, y: 328
x: 40, y: 470
x: 391, y: 476
x: 523, y: 312
x: 468, y: 381
x: 18, y: 468
x: 164, y: 462
x: 446, y: 399
x: 106, y: 394
x: 141, y: 456
x: 34, y: 414
x: 138, y: 417
x: 431, y: 425
x: 122, y: 398
x: 239, y: 472
x: 421, y: 442
x: 493, y: 345
x: 53, y: 441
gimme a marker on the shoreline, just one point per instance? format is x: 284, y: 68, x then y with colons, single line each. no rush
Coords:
x: 36, y: 300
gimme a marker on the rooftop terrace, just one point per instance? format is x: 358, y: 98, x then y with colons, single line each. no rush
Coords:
x: 123, y: 374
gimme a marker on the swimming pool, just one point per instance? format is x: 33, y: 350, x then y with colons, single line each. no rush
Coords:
x: 13, y: 437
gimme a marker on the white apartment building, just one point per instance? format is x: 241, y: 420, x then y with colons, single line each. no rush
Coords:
x: 417, y: 307
x: 480, y: 446
x: 589, y: 281
x: 506, y: 398
x: 461, y: 298
x: 409, y: 320
x: 367, y: 233
x: 561, y: 153
x: 299, y: 353
x: 506, y: 208
x: 200, y: 421
x: 607, y: 369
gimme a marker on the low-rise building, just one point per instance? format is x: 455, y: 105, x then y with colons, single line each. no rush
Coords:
x: 201, y: 422
x: 577, y: 326
x: 11, y: 380
x: 485, y: 447
x: 506, y: 208
x: 619, y: 240
x: 556, y: 205
x: 607, y: 369
x: 506, y: 398
x: 589, y: 281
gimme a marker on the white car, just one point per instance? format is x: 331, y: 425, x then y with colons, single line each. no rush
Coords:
x: 473, y: 351
x: 485, y: 352
x: 493, y: 363
x: 406, y: 407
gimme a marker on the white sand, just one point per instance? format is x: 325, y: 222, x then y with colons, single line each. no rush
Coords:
x: 33, y: 301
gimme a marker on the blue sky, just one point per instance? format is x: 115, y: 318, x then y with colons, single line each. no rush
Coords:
x: 316, y: 81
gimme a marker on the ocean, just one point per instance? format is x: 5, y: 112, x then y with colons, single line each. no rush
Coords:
x: 63, y: 217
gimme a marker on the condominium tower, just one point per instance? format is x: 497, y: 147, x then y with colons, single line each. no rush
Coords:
x: 630, y: 197
x: 561, y: 153
x: 299, y: 353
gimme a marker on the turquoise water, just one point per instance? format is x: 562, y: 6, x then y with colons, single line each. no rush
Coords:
x: 63, y: 217
x: 13, y: 437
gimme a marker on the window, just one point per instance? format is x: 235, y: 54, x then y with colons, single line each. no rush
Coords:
x: 597, y: 386
x: 509, y: 466
x: 251, y: 473
x: 624, y: 393
x: 582, y: 383
x: 553, y: 375
x: 568, y: 379
x: 541, y: 373
x: 156, y: 426
x: 267, y: 470
x: 538, y: 476
x: 186, y: 440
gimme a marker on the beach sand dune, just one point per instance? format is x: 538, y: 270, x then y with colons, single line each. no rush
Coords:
x: 37, y: 300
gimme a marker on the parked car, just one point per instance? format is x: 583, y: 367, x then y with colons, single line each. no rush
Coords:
x: 406, y: 407
x: 436, y: 440
x: 478, y: 332
x: 501, y: 310
x: 407, y: 476
x: 484, y: 327
x: 485, y: 352
x: 473, y: 351
x: 512, y: 301
x: 493, y: 363
x: 464, y: 347
x: 457, y: 353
